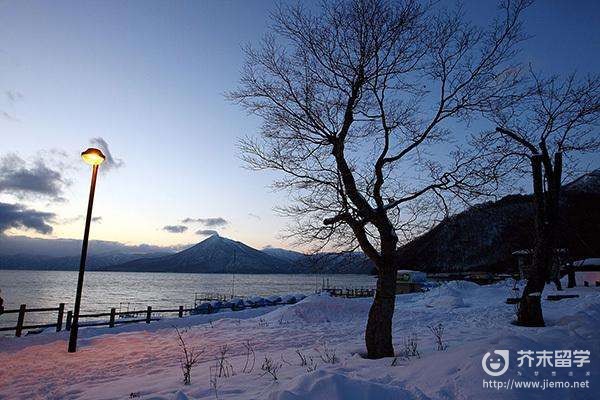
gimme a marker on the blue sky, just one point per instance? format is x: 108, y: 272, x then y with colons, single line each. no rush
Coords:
x: 148, y: 77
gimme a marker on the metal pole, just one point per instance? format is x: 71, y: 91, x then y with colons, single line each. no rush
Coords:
x: 86, y: 234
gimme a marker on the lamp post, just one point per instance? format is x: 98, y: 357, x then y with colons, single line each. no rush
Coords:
x: 93, y: 157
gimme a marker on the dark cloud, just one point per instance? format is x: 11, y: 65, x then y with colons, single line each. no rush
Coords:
x: 97, y: 219
x: 209, y: 222
x: 175, y: 228
x: 18, y: 216
x: 110, y: 162
x: 206, y: 232
x: 23, y: 180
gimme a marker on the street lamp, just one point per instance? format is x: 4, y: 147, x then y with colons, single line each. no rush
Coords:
x: 93, y: 157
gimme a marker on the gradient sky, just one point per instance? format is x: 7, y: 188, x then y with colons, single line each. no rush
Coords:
x: 148, y: 77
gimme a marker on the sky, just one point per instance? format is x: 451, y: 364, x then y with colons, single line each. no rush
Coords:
x: 147, y: 78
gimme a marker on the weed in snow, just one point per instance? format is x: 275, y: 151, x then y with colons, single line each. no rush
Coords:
x: 270, y: 367
x: 438, y: 333
x: 189, y: 358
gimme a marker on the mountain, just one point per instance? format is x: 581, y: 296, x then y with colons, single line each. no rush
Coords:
x: 18, y: 244
x: 484, y: 236
x: 22, y: 252
x: 587, y: 183
x: 50, y: 263
x: 289, y: 255
x: 215, y: 254
x: 338, y: 263
x: 325, y: 263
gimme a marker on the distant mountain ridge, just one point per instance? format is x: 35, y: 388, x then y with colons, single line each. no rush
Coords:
x: 484, y: 236
x: 222, y: 255
x: 52, y: 263
x: 215, y: 254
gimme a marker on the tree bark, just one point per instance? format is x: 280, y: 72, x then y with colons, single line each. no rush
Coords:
x: 530, y: 307
x: 378, y: 335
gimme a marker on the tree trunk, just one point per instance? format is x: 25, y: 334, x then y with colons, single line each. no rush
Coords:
x: 530, y: 307
x: 378, y: 335
x: 552, y: 217
x: 571, y: 274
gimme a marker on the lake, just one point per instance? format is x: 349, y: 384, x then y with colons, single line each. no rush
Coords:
x: 103, y: 290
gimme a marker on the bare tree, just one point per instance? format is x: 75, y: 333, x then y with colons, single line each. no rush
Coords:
x: 355, y: 100
x: 555, y: 119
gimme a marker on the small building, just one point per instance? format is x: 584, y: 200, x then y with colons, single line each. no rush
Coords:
x: 409, y: 281
x: 587, y: 272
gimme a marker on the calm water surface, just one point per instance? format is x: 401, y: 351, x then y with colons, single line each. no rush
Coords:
x: 103, y: 290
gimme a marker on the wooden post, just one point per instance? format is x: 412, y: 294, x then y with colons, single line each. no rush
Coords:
x: 69, y: 319
x: 20, y: 321
x: 148, y: 314
x: 59, y: 319
x: 180, y: 311
x: 111, y: 322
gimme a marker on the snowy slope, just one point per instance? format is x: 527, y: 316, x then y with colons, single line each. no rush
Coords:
x: 285, y: 254
x: 142, y: 360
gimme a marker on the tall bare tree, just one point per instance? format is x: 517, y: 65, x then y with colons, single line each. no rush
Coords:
x: 355, y: 100
x: 555, y: 119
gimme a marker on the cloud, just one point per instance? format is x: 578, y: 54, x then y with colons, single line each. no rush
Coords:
x: 72, y: 220
x: 252, y: 215
x: 13, y: 96
x: 209, y: 222
x: 110, y: 162
x: 18, y: 216
x: 206, y: 232
x: 22, y: 179
x: 8, y: 116
x: 175, y: 228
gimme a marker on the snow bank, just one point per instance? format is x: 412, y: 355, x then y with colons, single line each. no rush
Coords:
x: 450, y: 295
x: 320, y: 385
x: 321, y: 308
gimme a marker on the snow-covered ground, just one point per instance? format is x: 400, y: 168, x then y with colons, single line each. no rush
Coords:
x: 142, y: 361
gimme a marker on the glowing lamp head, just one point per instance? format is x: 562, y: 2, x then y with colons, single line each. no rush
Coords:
x: 93, y: 156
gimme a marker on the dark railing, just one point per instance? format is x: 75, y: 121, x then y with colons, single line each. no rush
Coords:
x: 20, y: 327
x: 147, y: 317
x: 112, y: 321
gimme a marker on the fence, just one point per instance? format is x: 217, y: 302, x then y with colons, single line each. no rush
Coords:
x: 126, y: 317
x: 20, y: 327
x: 350, y: 293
